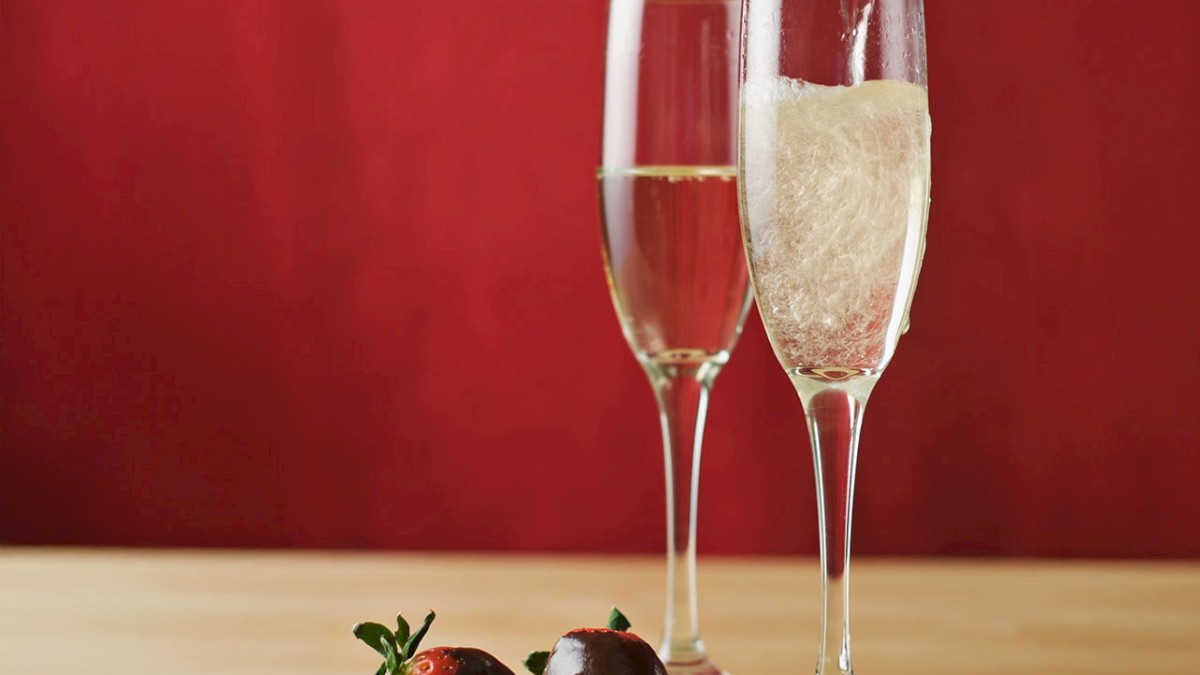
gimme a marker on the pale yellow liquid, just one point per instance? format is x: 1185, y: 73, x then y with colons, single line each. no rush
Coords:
x: 673, y: 252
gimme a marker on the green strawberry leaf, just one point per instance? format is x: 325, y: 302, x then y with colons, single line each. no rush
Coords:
x: 617, y: 620
x: 376, y: 636
x: 410, y: 646
x: 402, y: 630
x: 382, y: 669
x: 390, y: 661
x: 536, y: 662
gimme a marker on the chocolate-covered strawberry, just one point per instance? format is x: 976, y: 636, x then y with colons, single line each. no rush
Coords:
x: 598, y: 651
x: 400, y: 655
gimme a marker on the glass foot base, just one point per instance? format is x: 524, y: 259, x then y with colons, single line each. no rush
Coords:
x: 701, y: 666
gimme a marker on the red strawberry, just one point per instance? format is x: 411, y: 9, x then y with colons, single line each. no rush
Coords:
x: 452, y: 660
x: 399, y: 658
x: 598, y: 651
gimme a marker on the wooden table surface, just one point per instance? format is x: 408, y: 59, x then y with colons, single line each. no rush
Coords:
x: 248, y: 613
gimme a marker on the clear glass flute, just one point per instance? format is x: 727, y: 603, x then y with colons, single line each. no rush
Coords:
x: 833, y: 174
x: 672, y: 248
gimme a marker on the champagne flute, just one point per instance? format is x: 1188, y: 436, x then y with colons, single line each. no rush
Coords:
x: 672, y: 248
x: 833, y: 173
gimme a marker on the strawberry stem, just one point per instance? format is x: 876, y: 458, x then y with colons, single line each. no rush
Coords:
x: 390, y: 660
x: 376, y: 635
x: 617, y: 620
x: 402, y: 630
x: 410, y: 645
x: 536, y: 662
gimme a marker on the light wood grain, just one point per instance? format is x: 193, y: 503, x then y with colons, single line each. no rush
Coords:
x: 252, y: 613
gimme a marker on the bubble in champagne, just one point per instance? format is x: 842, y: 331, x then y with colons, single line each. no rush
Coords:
x: 836, y: 189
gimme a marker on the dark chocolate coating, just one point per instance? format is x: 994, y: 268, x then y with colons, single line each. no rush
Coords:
x: 457, y: 660
x: 599, y: 651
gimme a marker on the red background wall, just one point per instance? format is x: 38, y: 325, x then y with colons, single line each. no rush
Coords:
x: 328, y: 274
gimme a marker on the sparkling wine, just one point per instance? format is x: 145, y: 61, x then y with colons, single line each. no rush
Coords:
x: 673, y: 253
x: 836, y: 189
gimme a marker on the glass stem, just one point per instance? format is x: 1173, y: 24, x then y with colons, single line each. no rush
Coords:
x: 834, y: 410
x: 682, y: 394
